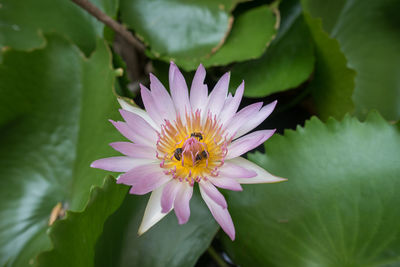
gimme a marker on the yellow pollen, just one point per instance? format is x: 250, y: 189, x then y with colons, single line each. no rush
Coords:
x: 193, y: 150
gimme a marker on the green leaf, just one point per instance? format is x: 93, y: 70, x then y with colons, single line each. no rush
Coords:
x: 63, y: 101
x: 165, y: 244
x: 339, y: 206
x: 23, y: 23
x: 251, y: 33
x: 288, y: 61
x: 178, y: 30
x: 75, y: 237
x: 333, y: 82
x: 367, y: 31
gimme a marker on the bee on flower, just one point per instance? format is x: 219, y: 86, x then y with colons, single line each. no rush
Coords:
x: 180, y: 140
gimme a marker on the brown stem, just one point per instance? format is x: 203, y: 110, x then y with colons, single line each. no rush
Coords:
x: 118, y: 28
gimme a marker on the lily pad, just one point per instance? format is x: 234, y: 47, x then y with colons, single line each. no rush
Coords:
x: 339, y: 206
x: 251, y: 33
x: 288, y: 61
x: 23, y: 23
x: 368, y: 34
x: 333, y: 82
x: 178, y: 30
x: 75, y: 237
x: 165, y: 244
x: 55, y: 104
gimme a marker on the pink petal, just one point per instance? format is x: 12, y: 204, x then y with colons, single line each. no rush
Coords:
x: 234, y: 171
x: 144, y: 179
x: 179, y: 91
x: 138, y: 111
x: 134, y: 150
x: 242, y: 117
x: 213, y: 193
x: 181, y: 203
x: 150, y: 105
x: 152, y: 213
x: 220, y: 214
x: 162, y: 99
x: 256, y: 120
x: 247, y: 143
x: 262, y: 175
x: 229, y: 110
x: 140, y: 127
x: 198, y: 90
x: 226, y: 183
x: 218, y: 95
x: 131, y: 134
x: 118, y: 164
x: 169, y: 195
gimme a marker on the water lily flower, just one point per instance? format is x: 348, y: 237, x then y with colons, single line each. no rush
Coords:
x: 180, y: 140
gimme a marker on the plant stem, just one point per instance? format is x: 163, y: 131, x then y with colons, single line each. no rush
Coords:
x: 117, y: 27
x: 216, y: 257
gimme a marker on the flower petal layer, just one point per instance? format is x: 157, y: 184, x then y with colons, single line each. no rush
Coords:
x: 142, y: 113
x: 179, y: 91
x: 262, y: 175
x: 226, y: 183
x: 119, y: 164
x: 134, y: 150
x: 152, y: 213
x: 231, y: 105
x: 144, y: 178
x: 247, y: 143
x: 213, y: 193
x: 220, y: 214
x: 218, y: 95
x: 181, y: 203
x: 169, y: 195
x: 256, y: 120
x: 199, y: 90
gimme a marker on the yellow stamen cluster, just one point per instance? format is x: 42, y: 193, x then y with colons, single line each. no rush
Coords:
x: 193, y: 149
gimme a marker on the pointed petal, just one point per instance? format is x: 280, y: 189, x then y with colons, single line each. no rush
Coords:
x: 179, y: 91
x: 152, y: 214
x: 134, y: 150
x: 262, y: 175
x: 142, y: 113
x: 144, y: 178
x: 256, y: 120
x: 220, y: 214
x: 242, y: 117
x: 213, y: 193
x: 247, y: 143
x: 230, y: 170
x: 181, y: 203
x: 140, y: 127
x: 119, y: 164
x: 226, y: 183
x: 150, y: 105
x: 169, y: 195
x: 198, y: 90
x: 162, y: 99
x: 229, y: 111
x: 218, y: 95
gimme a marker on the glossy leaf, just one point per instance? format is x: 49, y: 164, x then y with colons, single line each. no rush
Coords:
x: 288, y: 61
x: 251, y: 33
x: 165, y: 244
x: 23, y: 23
x: 333, y: 82
x: 339, y: 206
x: 368, y: 35
x: 75, y: 237
x: 178, y: 30
x: 54, y: 106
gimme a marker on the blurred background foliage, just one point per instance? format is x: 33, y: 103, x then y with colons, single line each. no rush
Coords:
x: 333, y: 65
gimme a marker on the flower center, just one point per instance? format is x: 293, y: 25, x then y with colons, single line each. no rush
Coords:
x: 194, y: 149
